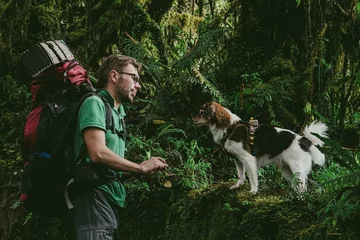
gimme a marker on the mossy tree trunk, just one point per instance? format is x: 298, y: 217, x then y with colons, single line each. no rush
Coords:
x: 315, y: 36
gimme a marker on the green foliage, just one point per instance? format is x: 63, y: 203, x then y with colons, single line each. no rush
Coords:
x: 145, y: 54
x: 207, y: 86
x: 186, y: 159
x: 138, y: 186
x: 192, y: 56
x: 191, y: 168
x: 357, y: 9
x: 342, y: 156
x: 342, y: 210
x: 357, y: 117
x: 170, y: 85
x: 13, y: 95
x: 341, y: 180
x: 10, y: 159
x: 333, y: 177
x: 270, y: 177
x: 141, y: 149
x: 170, y: 129
x: 257, y: 93
x: 266, y: 99
x: 14, y: 102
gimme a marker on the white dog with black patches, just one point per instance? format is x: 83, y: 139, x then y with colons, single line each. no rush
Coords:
x: 293, y: 154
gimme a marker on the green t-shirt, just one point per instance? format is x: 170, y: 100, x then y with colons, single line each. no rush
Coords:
x: 92, y: 114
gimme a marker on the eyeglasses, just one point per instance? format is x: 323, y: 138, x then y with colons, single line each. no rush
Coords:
x: 135, y: 77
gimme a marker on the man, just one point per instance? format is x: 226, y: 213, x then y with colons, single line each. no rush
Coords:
x: 95, y: 215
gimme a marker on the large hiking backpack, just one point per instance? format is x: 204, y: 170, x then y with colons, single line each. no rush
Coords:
x: 59, y: 85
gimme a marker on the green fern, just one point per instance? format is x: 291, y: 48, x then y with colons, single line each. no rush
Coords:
x: 151, y: 63
x: 169, y: 129
x: 207, y: 86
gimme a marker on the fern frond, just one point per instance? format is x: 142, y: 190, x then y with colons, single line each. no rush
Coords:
x: 169, y: 129
x: 208, y: 86
x: 149, y: 59
x: 135, y: 49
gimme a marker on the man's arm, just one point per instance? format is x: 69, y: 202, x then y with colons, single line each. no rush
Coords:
x: 100, y: 153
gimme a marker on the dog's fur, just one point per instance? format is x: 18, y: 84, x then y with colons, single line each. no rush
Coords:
x: 293, y: 154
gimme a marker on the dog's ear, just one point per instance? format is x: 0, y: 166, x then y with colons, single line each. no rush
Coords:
x: 211, y: 109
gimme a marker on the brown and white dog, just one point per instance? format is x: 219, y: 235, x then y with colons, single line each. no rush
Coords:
x: 293, y: 154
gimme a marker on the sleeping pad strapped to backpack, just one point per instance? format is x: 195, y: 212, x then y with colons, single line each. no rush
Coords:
x: 59, y: 85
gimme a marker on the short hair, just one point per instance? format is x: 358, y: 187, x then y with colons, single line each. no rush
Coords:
x: 114, y: 62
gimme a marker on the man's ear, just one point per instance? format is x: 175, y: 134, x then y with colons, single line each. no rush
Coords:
x: 112, y: 76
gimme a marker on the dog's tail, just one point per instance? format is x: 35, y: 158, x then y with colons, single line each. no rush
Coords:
x: 319, y: 128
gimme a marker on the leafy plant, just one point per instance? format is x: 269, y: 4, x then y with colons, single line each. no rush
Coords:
x: 15, y: 103
x: 270, y: 97
x: 357, y: 9
x: 170, y: 129
x: 194, y: 173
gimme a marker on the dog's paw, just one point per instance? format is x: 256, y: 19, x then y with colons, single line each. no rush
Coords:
x: 253, y: 191
x: 238, y: 184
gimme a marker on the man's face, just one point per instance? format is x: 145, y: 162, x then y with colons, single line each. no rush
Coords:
x: 128, y: 84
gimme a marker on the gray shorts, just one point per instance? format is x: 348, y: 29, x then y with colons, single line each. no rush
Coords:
x: 93, y: 217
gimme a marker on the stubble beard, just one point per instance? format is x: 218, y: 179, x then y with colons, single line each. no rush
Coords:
x: 125, y: 96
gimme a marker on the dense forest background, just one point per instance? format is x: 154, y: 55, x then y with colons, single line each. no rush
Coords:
x: 285, y: 63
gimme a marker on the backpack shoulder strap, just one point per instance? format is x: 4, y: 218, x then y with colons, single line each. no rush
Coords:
x: 108, y: 113
x: 109, y: 120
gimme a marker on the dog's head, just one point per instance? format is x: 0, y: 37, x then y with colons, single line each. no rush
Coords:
x: 212, y: 113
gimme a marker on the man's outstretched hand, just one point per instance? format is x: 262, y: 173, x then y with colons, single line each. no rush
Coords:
x: 153, y: 164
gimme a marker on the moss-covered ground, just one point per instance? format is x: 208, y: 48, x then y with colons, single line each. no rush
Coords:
x: 210, y: 214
